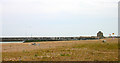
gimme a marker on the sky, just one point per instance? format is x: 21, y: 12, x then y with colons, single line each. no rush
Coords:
x: 58, y: 17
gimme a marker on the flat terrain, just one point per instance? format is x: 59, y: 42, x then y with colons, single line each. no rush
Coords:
x: 81, y: 50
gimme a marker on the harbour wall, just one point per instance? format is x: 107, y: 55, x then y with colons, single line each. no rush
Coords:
x: 6, y: 39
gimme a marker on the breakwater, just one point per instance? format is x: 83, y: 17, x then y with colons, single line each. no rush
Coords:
x: 36, y: 39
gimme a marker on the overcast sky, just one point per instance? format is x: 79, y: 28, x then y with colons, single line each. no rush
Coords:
x: 58, y: 17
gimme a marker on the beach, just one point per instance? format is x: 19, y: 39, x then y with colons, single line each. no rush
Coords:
x: 76, y: 50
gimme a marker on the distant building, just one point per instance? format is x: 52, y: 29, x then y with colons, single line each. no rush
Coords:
x: 100, y: 35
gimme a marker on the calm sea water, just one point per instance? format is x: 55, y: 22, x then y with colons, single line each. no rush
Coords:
x: 13, y: 42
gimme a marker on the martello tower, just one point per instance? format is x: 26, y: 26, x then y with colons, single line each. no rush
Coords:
x: 100, y: 35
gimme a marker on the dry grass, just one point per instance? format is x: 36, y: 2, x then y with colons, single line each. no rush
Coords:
x: 83, y: 50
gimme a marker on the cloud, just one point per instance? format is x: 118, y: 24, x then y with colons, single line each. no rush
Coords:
x: 56, y: 6
x: 53, y: 8
x: 56, y: 13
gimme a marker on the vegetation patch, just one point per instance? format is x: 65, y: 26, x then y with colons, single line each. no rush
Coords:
x: 64, y: 54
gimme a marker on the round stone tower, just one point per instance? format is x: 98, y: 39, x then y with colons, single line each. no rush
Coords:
x: 100, y: 35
